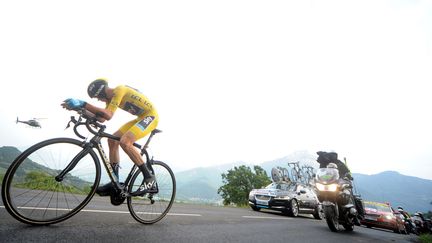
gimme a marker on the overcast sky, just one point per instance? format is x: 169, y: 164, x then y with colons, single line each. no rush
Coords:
x: 232, y: 80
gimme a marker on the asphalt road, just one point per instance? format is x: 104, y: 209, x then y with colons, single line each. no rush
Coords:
x: 102, y: 222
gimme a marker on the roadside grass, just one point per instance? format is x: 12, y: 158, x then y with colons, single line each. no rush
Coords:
x: 425, y: 238
x: 41, y: 181
x: 243, y: 206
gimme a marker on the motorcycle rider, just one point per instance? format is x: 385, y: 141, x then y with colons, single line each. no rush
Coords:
x: 426, y: 226
x: 327, y: 158
x: 409, y: 224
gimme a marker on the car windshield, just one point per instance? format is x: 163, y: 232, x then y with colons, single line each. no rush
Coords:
x: 281, y: 186
x: 378, y: 207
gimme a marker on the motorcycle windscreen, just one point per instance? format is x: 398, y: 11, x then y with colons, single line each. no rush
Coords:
x: 327, y: 175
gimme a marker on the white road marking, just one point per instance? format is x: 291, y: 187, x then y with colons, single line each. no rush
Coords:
x: 110, y: 211
x: 261, y: 217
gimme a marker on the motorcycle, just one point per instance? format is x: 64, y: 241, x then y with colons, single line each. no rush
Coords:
x: 423, y: 225
x: 429, y: 223
x: 410, y: 226
x: 336, y: 197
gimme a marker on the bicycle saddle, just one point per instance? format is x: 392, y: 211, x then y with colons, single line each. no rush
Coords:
x: 156, y: 131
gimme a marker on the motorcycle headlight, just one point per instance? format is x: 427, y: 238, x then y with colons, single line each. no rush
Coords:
x: 326, y: 188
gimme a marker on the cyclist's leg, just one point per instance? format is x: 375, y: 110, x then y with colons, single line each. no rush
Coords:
x: 133, y: 131
x: 114, y: 156
x: 142, y: 127
x: 114, y: 145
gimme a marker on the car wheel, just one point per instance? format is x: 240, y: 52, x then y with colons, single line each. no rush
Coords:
x: 255, y: 208
x: 397, y: 230
x: 293, y: 209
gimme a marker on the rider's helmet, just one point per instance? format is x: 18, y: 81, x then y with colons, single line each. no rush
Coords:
x: 332, y: 156
x: 97, y: 89
x: 400, y: 209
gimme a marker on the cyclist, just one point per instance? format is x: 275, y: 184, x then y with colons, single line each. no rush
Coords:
x: 134, y: 102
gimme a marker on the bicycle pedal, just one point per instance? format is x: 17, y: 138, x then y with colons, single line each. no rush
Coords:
x: 117, y: 200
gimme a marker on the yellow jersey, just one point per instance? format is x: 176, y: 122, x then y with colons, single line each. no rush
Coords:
x: 132, y: 101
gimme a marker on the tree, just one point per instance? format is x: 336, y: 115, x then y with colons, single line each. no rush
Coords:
x: 239, y: 181
x: 428, y: 215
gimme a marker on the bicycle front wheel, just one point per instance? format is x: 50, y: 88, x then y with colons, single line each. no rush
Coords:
x: 152, y: 207
x: 32, y: 195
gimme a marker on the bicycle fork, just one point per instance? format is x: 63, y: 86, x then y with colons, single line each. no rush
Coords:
x: 87, y: 148
x: 72, y: 164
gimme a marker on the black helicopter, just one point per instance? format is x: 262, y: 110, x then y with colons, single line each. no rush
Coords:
x: 32, y: 122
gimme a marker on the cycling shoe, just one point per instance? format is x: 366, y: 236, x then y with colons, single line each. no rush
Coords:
x: 105, y: 190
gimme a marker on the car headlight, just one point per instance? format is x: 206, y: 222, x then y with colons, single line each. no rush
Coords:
x: 326, y: 188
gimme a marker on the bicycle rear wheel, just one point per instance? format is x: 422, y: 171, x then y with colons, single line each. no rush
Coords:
x: 152, y: 207
x: 30, y: 191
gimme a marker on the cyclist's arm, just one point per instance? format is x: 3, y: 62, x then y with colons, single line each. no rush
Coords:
x: 104, y: 114
x: 101, y: 113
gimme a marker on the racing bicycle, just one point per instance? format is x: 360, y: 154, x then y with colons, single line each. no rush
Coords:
x: 309, y: 174
x: 53, y: 180
x: 296, y: 172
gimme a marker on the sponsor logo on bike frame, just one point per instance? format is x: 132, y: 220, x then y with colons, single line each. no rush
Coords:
x: 106, y: 161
